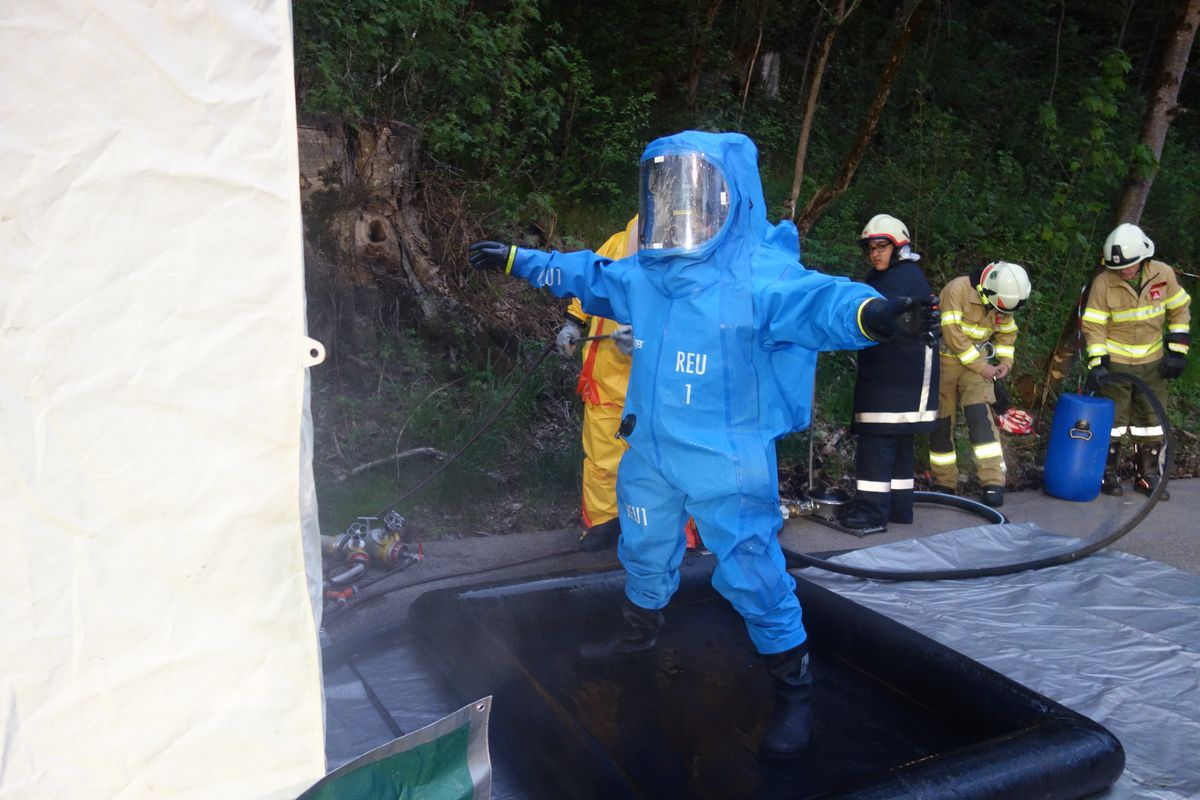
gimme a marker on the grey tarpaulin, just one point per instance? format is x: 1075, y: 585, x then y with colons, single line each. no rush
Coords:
x: 1112, y: 636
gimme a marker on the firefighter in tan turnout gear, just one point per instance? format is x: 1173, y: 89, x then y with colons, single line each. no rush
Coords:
x: 1123, y: 328
x: 977, y: 326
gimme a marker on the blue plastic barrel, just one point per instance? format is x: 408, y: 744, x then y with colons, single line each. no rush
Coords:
x: 1078, y: 447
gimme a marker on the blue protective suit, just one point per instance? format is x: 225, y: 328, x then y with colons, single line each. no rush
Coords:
x: 724, y: 362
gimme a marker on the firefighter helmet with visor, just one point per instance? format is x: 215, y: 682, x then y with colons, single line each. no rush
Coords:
x: 1125, y: 246
x: 885, y: 226
x: 1004, y: 286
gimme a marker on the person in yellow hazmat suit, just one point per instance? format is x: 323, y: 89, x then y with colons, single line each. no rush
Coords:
x: 603, y: 380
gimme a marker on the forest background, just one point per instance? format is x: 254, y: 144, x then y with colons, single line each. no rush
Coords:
x: 1005, y: 130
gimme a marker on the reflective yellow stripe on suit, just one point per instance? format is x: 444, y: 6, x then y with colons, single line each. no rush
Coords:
x: 1132, y: 350
x: 988, y: 450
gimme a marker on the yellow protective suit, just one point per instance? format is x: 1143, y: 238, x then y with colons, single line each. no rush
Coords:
x: 602, y: 384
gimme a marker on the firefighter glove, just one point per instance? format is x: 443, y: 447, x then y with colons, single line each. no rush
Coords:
x: 1172, y: 365
x: 910, y: 317
x: 1098, y: 372
x: 623, y: 339
x: 568, y: 336
x: 491, y: 256
x: 1175, y: 355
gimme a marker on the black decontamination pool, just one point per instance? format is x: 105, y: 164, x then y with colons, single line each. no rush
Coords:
x: 897, y: 714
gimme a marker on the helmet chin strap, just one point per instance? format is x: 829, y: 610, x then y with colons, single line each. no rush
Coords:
x: 985, y: 296
x: 983, y: 273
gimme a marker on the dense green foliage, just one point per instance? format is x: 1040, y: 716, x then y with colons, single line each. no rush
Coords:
x: 499, y: 95
x: 420, y: 400
x: 1007, y: 135
x: 1008, y: 132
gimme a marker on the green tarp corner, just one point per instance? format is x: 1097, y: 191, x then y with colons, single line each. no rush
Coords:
x: 447, y: 760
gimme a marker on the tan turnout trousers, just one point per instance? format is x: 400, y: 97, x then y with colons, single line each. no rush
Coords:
x: 961, y: 384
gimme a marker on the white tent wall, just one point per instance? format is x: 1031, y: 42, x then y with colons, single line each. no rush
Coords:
x: 159, y: 633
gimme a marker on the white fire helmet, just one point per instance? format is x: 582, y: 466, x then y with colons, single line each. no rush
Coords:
x: 1005, y: 286
x: 1126, y: 246
x: 885, y: 226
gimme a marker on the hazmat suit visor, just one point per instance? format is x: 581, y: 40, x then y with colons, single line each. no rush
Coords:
x: 684, y: 202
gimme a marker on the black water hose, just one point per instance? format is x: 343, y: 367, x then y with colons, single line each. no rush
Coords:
x: 339, y: 609
x: 1166, y: 461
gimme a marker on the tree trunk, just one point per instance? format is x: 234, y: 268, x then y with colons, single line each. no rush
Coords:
x: 760, y: 14
x: 385, y: 228
x: 827, y: 194
x: 810, y: 110
x: 698, y: 55
x: 768, y: 74
x: 1160, y: 114
x: 1066, y: 349
x: 749, y: 77
x: 365, y: 240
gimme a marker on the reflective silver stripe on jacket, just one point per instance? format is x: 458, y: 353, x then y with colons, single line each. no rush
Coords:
x: 924, y: 404
x: 920, y: 415
x: 896, y: 416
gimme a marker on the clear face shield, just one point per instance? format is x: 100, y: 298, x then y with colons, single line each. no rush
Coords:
x: 684, y: 202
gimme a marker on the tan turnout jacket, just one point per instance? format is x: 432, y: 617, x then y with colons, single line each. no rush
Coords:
x: 1126, y: 324
x: 968, y: 323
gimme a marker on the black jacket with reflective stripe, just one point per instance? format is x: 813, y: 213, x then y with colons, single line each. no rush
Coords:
x: 896, y: 390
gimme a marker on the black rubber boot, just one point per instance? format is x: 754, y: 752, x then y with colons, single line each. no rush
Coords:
x: 600, y: 537
x: 638, y: 634
x: 791, y: 722
x: 993, y: 496
x: 860, y: 515
x: 1148, y: 475
x: 1111, y: 482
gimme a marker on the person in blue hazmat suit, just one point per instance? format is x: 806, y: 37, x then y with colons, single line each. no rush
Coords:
x: 726, y: 325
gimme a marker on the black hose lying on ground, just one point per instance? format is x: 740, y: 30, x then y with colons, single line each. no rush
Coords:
x: 1166, y: 461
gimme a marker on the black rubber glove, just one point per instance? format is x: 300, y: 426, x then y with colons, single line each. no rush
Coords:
x: 490, y: 256
x: 1097, y: 374
x: 1174, y: 362
x: 1003, y: 399
x: 1172, y: 365
x: 910, y: 317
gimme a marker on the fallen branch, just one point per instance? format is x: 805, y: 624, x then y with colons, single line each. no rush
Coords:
x: 416, y: 451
